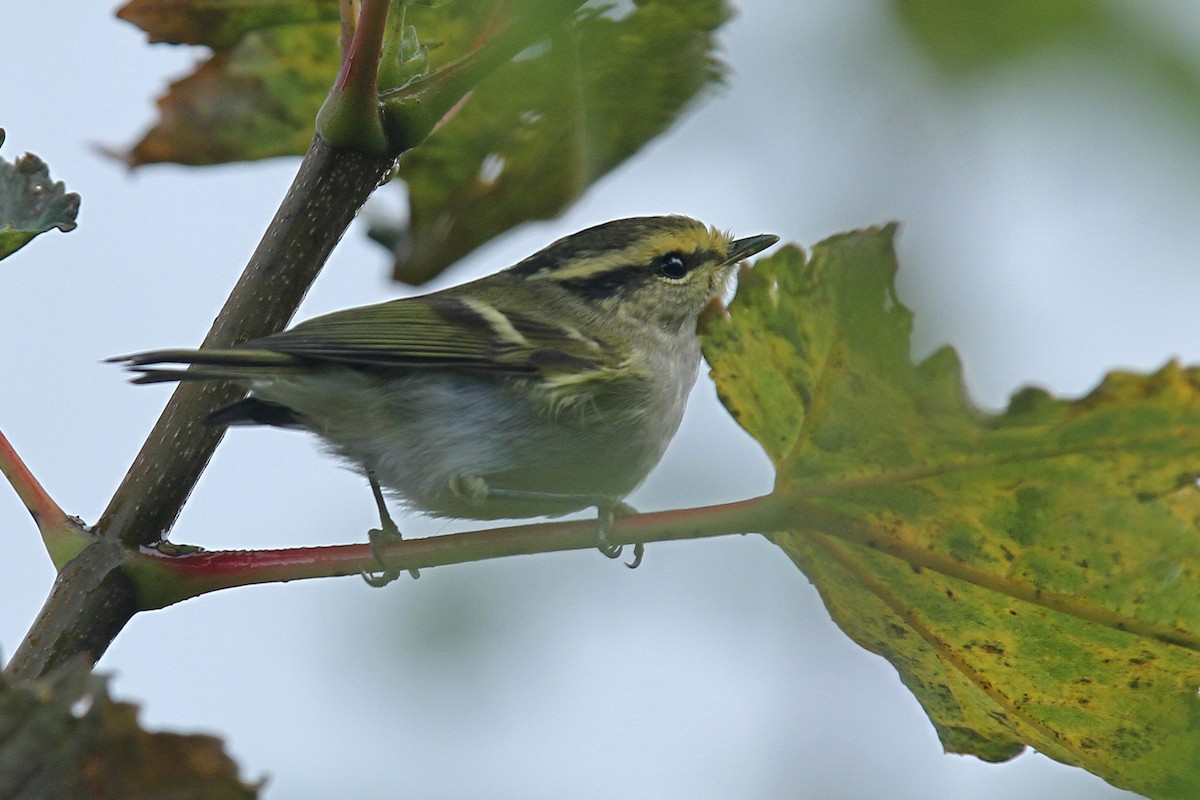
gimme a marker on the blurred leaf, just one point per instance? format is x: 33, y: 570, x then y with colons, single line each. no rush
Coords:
x: 30, y: 203
x: 64, y: 737
x: 543, y: 128
x: 967, y: 37
x: 220, y: 23
x: 962, y: 35
x: 254, y: 101
x: 1034, y: 576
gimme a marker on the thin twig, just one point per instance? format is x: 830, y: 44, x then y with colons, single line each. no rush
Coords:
x: 93, y: 597
x: 167, y: 579
x: 39, y: 503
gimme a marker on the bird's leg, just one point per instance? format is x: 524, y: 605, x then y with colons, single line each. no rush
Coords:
x: 385, y: 534
x: 608, y: 510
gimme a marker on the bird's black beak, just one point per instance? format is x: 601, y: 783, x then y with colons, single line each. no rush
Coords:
x: 744, y: 248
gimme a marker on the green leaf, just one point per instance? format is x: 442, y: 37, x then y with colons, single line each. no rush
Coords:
x: 542, y: 129
x: 1034, y: 576
x: 31, y: 203
x: 63, y: 736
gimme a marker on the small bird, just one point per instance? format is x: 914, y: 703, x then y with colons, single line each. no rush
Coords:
x: 543, y: 389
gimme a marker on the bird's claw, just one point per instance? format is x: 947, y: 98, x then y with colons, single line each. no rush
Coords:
x: 605, y: 517
x: 608, y: 549
x: 378, y: 580
x: 639, y: 550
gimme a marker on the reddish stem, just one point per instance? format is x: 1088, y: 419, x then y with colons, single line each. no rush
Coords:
x: 360, y: 61
x: 348, y: 13
x: 164, y: 579
x: 45, y: 512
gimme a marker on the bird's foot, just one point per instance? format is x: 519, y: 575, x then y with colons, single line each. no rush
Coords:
x: 606, y: 515
x: 378, y: 537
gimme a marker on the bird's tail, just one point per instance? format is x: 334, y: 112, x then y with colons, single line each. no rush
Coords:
x: 201, y: 365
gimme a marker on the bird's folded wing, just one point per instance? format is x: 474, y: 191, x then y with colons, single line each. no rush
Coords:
x: 442, y: 331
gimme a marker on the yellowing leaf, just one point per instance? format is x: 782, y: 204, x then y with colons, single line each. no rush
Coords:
x: 256, y: 100
x: 258, y: 95
x: 1034, y: 576
x: 220, y: 23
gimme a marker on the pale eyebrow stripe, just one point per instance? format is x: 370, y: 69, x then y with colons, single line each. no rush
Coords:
x: 586, y: 267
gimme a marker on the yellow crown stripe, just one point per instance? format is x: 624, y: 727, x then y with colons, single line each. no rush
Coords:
x: 685, y: 241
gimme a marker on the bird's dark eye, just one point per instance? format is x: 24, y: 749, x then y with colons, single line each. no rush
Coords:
x: 671, y: 266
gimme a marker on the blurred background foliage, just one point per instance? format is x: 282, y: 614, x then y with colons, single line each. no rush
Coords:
x: 966, y: 40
